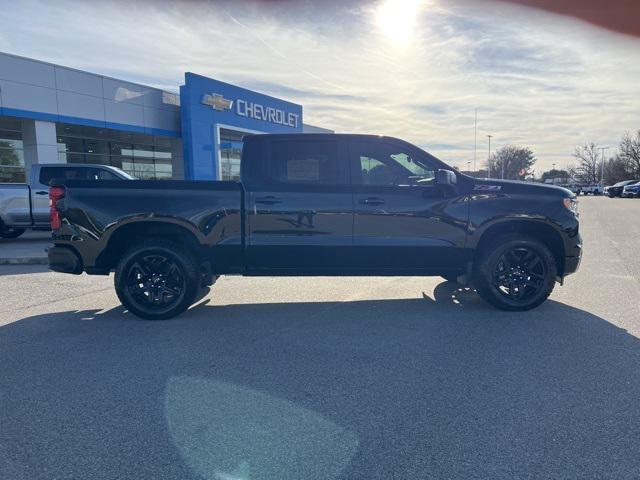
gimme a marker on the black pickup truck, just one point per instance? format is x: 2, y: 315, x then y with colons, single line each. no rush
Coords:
x: 316, y: 204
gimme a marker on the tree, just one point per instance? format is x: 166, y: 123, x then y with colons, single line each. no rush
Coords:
x: 587, y: 170
x: 617, y: 169
x: 630, y: 152
x: 516, y: 162
x: 8, y: 155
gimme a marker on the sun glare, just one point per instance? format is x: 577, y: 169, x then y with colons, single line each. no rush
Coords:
x: 397, y: 18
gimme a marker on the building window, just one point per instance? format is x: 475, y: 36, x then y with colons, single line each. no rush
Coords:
x: 140, y: 155
x: 11, y: 151
x: 230, y: 153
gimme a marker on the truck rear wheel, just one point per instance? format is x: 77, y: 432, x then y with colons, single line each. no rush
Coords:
x: 516, y: 273
x: 157, y: 279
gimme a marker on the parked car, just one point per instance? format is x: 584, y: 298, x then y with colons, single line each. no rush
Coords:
x: 317, y: 204
x: 577, y: 189
x: 592, y: 190
x: 616, y: 190
x: 631, y: 191
x: 24, y: 206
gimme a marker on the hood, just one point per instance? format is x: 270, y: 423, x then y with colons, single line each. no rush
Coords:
x: 515, y: 186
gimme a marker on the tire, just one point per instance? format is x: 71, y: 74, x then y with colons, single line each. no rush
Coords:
x: 516, y: 273
x: 157, y: 279
x: 11, y: 232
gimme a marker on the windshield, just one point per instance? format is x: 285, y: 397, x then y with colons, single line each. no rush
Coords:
x: 125, y: 174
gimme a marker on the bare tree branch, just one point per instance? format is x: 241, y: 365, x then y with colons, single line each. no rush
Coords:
x: 587, y: 170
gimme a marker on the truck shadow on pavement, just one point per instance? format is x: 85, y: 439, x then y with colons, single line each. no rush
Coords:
x: 402, y: 388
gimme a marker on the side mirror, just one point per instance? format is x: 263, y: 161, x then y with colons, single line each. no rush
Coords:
x: 446, y: 177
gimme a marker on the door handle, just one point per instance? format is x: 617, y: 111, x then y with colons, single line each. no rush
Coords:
x: 268, y: 200
x: 372, y: 201
x: 42, y: 192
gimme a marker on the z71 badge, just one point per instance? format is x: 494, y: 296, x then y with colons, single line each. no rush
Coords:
x: 487, y: 188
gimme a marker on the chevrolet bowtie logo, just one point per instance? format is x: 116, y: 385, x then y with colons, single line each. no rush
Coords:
x: 217, y: 102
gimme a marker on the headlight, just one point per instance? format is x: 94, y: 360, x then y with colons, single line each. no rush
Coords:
x: 571, y: 204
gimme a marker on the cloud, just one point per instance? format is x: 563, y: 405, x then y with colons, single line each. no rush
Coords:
x: 537, y: 79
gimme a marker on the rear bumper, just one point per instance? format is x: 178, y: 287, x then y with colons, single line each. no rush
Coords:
x: 64, y: 260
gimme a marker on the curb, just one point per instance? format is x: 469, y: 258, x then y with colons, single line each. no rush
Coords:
x: 25, y: 261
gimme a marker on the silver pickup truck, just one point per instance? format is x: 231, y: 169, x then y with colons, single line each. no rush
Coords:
x: 25, y: 206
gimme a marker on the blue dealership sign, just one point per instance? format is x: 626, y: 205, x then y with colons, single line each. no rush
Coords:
x: 207, y: 105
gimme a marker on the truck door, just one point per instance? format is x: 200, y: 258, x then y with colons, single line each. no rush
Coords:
x: 299, y: 206
x: 403, y: 220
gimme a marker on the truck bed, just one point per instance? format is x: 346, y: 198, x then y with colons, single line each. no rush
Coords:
x: 96, y: 211
x: 15, y: 208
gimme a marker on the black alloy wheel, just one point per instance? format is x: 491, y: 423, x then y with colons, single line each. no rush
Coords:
x: 516, y: 272
x: 157, y: 280
x: 519, y: 274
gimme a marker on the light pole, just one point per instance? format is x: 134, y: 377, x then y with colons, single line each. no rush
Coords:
x: 489, y: 159
x: 602, y: 149
x: 475, y: 139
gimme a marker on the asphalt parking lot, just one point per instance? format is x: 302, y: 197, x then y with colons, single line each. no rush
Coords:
x: 349, y: 378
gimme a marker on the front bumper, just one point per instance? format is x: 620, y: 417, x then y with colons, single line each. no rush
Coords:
x: 571, y: 263
x: 64, y: 260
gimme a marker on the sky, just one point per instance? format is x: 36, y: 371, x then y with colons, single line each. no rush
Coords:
x: 413, y: 69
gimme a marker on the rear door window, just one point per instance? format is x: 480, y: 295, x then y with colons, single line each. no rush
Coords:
x: 74, y: 173
x: 305, y: 163
x: 62, y: 173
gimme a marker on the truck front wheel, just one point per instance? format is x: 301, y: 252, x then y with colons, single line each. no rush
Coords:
x: 157, y: 279
x: 516, y: 272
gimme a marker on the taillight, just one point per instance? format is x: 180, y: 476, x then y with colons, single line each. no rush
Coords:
x: 55, y: 194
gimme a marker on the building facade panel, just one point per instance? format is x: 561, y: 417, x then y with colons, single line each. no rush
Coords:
x: 70, y: 80
x: 160, y: 99
x: 31, y: 98
x: 124, y: 113
x: 119, y: 91
x: 156, y: 118
x: 25, y: 70
x: 72, y: 104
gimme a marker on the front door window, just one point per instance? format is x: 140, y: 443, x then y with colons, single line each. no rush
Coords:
x: 385, y: 165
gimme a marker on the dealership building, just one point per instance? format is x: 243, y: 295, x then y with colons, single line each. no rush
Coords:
x: 55, y: 114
